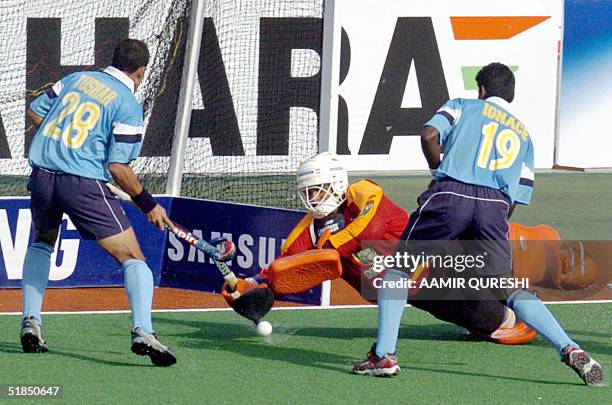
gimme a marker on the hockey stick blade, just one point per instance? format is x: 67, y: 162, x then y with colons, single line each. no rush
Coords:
x: 254, y: 304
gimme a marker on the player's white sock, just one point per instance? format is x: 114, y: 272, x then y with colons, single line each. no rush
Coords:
x: 509, y: 319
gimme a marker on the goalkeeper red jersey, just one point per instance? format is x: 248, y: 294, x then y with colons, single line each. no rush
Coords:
x: 369, y: 216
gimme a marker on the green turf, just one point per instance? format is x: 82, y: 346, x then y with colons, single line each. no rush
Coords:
x: 221, y: 360
x: 307, y: 360
x: 579, y: 205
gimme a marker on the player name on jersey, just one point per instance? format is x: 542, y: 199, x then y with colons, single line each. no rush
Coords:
x: 95, y: 89
x: 504, y: 118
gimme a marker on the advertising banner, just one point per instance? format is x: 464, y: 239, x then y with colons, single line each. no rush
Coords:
x: 586, y: 85
x: 75, y: 262
x: 256, y: 105
x: 400, y: 61
x: 257, y: 232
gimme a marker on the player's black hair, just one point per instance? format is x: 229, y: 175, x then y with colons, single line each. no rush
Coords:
x: 130, y: 54
x: 498, y: 80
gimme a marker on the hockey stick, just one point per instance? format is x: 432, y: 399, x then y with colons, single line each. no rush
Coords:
x: 254, y: 302
x: 250, y: 301
x: 220, y: 249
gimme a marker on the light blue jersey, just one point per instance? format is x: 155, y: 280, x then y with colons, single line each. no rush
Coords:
x: 91, y: 119
x: 484, y: 144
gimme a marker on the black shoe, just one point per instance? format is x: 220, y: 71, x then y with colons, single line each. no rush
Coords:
x: 147, y: 344
x: 31, y: 336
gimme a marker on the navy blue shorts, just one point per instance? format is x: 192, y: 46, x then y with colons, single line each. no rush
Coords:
x: 94, y: 210
x: 482, y: 316
x: 451, y: 210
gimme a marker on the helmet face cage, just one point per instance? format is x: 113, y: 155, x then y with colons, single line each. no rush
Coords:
x: 322, y: 183
x: 322, y: 199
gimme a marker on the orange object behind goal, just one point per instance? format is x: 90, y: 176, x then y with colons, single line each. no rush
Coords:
x: 535, y: 253
x: 539, y: 254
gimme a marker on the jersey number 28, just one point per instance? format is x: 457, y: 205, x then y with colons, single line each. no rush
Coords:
x: 84, y: 118
x: 507, y: 145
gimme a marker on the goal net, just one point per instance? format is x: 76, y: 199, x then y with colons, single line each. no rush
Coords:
x: 44, y: 40
x: 256, y: 95
x: 256, y: 100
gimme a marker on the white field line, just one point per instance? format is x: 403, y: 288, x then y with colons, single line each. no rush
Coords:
x: 125, y: 311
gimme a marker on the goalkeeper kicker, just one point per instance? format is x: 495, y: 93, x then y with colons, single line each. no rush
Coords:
x: 328, y: 244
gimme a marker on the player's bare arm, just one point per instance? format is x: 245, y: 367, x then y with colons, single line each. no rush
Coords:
x: 430, y: 145
x: 36, y: 119
x: 125, y: 177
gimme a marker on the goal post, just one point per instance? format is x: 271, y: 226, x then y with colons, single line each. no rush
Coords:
x: 249, y: 110
x: 330, y: 72
x: 183, y: 113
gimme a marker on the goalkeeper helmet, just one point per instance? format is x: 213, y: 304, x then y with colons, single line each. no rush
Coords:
x: 322, y: 182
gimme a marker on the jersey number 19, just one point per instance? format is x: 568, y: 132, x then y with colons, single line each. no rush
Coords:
x: 507, y: 145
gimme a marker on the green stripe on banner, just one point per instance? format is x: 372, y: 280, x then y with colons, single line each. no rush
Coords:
x: 469, y: 76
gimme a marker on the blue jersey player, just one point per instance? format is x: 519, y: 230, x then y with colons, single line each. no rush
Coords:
x: 90, y: 125
x: 487, y: 169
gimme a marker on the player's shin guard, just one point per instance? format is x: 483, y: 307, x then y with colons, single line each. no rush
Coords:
x: 36, y: 266
x: 535, y: 314
x: 391, y: 304
x: 138, y: 281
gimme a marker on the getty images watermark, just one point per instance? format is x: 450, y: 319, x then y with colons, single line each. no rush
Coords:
x: 554, y: 270
x: 444, y: 265
x: 440, y: 270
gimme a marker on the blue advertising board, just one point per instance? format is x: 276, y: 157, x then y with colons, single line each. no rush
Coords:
x: 76, y: 262
x: 258, y: 233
